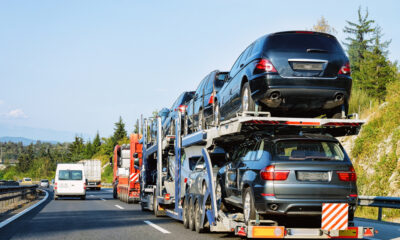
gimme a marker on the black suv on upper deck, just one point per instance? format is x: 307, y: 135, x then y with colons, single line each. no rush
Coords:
x: 287, y: 176
x: 296, y: 73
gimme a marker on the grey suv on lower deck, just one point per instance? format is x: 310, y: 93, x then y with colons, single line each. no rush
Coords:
x: 288, y: 176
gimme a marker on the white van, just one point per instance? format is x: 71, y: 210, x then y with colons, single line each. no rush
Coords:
x: 70, y: 180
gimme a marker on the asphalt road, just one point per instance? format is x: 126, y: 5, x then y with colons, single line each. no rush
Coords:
x: 102, y: 217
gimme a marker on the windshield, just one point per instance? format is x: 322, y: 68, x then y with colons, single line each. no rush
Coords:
x: 70, y: 175
x: 308, y: 150
x: 44, y: 180
x: 295, y: 42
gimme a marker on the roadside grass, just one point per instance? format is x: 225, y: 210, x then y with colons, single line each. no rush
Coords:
x: 389, y: 215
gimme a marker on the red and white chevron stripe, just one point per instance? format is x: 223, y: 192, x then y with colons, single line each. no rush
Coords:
x: 335, y: 216
x: 134, y: 177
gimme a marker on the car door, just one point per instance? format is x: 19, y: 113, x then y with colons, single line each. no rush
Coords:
x: 245, y: 166
x: 231, y: 176
x: 226, y: 91
x: 237, y: 80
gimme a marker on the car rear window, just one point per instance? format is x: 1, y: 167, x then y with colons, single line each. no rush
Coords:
x: 28, y: 179
x: 308, y: 151
x: 70, y: 175
x: 44, y: 180
x: 297, y: 42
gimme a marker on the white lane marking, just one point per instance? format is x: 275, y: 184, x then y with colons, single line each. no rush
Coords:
x: 118, y: 206
x: 7, y: 221
x: 157, y: 227
x: 91, y: 195
x: 102, y: 199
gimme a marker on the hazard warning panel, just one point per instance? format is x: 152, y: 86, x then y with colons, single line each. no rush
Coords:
x: 335, y: 216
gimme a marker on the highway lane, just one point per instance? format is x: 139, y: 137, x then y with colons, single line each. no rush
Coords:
x: 102, y: 217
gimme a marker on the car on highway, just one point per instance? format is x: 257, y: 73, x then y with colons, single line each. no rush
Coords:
x: 180, y: 104
x: 26, y: 181
x: 70, y: 181
x: 201, y: 108
x: 287, y: 175
x: 291, y: 74
x: 44, y: 183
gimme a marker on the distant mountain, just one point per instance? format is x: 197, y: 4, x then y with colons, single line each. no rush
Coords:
x: 25, y: 141
x: 41, y: 134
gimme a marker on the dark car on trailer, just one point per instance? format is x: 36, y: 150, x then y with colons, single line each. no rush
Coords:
x: 201, y: 107
x: 293, y: 74
x: 180, y: 104
x: 287, y: 176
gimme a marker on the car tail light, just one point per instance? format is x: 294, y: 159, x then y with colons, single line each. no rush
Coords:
x: 269, y: 173
x: 211, y: 100
x: 265, y: 65
x: 167, y: 196
x: 55, y: 185
x: 353, y: 195
x: 345, y: 69
x: 181, y: 108
x: 84, y: 186
x: 347, y: 176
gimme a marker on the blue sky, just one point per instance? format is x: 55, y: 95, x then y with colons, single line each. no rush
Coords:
x: 74, y: 67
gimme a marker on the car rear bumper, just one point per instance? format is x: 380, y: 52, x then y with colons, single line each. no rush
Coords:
x: 60, y: 193
x: 298, y: 207
x: 308, y: 94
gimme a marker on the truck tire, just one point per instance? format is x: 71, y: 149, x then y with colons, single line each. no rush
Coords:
x: 198, y: 212
x: 185, y: 213
x: 191, y: 215
x: 115, y: 193
x: 249, y: 212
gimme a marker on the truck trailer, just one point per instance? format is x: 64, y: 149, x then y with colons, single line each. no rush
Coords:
x: 92, y: 169
x: 169, y: 196
x: 126, y: 164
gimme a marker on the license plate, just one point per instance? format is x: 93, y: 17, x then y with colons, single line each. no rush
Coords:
x: 313, y: 176
x: 307, y: 66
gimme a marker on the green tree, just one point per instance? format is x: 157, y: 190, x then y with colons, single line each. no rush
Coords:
x: 76, y: 149
x: 323, y: 26
x: 359, y: 39
x: 88, y: 150
x: 119, y: 131
x: 136, y: 127
x: 376, y: 71
x: 25, y: 159
x: 96, y: 143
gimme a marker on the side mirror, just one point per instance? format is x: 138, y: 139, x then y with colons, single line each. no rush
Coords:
x: 135, y: 155
x: 86, y: 181
x: 111, y: 162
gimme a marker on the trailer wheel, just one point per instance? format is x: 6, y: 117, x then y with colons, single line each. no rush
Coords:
x: 219, y: 198
x: 249, y: 211
x: 198, y: 211
x: 185, y: 214
x: 191, y: 215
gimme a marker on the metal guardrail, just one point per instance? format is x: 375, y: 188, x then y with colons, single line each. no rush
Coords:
x: 13, y: 196
x: 380, y: 202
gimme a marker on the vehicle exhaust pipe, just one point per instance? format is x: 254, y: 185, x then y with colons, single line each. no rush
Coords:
x: 274, y: 206
x: 275, y: 96
x: 339, y: 97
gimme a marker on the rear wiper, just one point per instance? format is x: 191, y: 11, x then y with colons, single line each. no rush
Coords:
x: 311, y: 50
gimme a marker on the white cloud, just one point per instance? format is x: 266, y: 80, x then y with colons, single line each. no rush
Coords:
x: 16, y: 113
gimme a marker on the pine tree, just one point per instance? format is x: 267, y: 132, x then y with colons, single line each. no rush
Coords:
x: 119, y: 131
x: 96, y: 143
x: 76, y: 149
x: 359, y: 40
